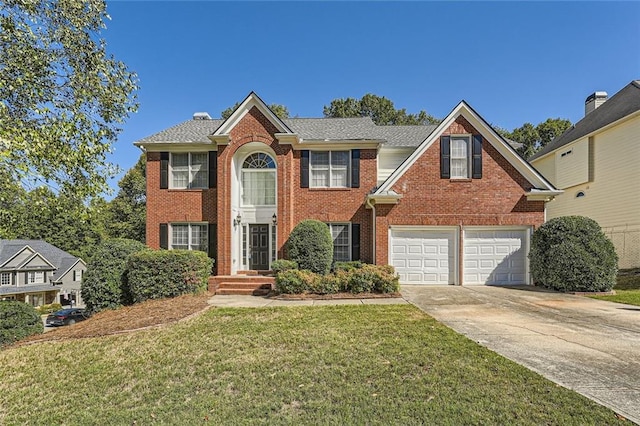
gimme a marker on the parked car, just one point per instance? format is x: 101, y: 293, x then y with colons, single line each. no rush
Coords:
x: 67, y: 316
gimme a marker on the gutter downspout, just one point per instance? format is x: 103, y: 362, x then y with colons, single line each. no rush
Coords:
x: 373, y: 240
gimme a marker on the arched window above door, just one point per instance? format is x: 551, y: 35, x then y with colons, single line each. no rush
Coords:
x: 258, y: 180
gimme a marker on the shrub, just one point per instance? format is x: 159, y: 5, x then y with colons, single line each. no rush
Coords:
x: 571, y: 253
x: 282, y: 265
x: 17, y: 321
x: 103, y: 285
x: 371, y: 279
x: 347, y: 266
x: 158, y: 274
x: 295, y: 281
x: 47, y: 309
x: 327, y: 284
x: 310, y: 245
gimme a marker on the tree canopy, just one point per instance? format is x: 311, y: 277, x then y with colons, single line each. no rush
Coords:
x: 380, y: 109
x: 62, y: 96
x: 534, y: 138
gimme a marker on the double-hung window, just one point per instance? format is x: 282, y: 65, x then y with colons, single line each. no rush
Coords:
x: 189, y: 236
x: 341, y: 241
x: 329, y: 169
x: 189, y: 170
x: 460, y: 157
x: 35, y: 277
x: 77, y: 274
x: 5, y: 278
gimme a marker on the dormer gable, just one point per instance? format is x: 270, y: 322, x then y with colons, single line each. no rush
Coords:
x: 36, y: 262
x: 20, y: 256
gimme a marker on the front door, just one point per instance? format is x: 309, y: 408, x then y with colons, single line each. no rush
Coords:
x: 259, y: 247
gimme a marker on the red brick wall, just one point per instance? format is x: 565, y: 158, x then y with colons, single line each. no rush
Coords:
x: 174, y: 205
x: 496, y: 199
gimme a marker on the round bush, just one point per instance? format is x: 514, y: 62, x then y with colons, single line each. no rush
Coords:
x: 310, y: 245
x: 17, y: 321
x: 295, y: 281
x: 103, y: 285
x: 571, y: 253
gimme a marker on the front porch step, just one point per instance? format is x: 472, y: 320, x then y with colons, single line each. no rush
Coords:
x: 257, y: 285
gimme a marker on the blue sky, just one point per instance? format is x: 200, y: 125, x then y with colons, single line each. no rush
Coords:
x: 513, y: 62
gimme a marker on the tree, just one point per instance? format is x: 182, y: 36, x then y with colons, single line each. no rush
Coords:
x: 280, y: 110
x: 62, y: 97
x: 535, y: 138
x: 380, y: 109
x: 126, y: 214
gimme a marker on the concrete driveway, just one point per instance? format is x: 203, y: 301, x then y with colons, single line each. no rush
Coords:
x: 587, y: 345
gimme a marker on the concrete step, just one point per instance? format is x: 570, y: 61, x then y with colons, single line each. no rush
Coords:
x: 243, y: 291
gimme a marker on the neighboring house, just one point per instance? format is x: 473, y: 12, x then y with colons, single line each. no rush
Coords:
x: 38, y: 273
x: 597, y: 164
x: 446, y: 204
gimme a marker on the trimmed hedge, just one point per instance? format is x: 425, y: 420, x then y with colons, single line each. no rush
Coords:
x: 103, y: 286
x: 282, y: 265
x: 310, y: 245
x: 571, y: 253
x: 17, y: 321
x: 157, y: 274
x: 355, y: 279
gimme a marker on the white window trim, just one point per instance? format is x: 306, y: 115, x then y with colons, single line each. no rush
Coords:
x: 349, y: 244
x: 189, y: 171
x: 3, y: 275
x: 35, y: 277
x: 77, y: 275
x: 189, y: 244
x: 468, y: 137
x: 311, y: 168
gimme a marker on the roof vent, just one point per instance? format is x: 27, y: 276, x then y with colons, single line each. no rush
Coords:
x: 201, y: 116
x: 594, y: 100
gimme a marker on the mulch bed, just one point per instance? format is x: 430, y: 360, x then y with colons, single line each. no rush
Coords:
x: 128, y: 318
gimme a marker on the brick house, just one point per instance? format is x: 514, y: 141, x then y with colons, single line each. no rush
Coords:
x: 446, y: 204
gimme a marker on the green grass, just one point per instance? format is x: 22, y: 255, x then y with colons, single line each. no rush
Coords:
x: 362, y: 364
x: 627, y: 289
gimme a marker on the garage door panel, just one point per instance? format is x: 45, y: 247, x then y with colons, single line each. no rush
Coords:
x: 423, y: 256
x: 494, y: 256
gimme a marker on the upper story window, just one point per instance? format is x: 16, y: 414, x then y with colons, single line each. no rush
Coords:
x: 460, y: 157
x: 189, y: 170
x: 329, y: 169
x: 189, y: 236
x: 5, y: 278
x: 35, y: 277
x: 77, y: 274
x: 259, y: 180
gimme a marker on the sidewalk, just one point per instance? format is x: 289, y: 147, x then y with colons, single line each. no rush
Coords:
x: 232, y: 301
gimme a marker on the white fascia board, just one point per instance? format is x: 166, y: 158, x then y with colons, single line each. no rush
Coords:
x: 249, y: 102
x: 464, y: 110
x: 69, y: 269
x: 33, y: 256
x: 387, y: 198
x: 181, y: 147
x: 540, y: 195
x: 17, y: 253
x: 297, y: 143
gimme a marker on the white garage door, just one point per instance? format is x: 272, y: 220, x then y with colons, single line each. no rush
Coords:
x: 496, y: 256
x: 423, y: 256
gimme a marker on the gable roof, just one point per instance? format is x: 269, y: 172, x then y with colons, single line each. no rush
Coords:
x: 620, y: 105
x: 251, y: 101
x: 490, y: 135
x: 55, y: 256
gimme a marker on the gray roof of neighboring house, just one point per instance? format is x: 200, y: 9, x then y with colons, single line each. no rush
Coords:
x: 623, y: 103
x: 57, y: 257
x: 352, y: 129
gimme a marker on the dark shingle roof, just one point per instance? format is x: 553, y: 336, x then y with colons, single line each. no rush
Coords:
x: 404, y: 136
x: 58, y: 258
x: 623, y: 103
x: 190, y: 131
x: 333, y: 128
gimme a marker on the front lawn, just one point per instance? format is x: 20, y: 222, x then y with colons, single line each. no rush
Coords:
x: 359, y: 364
x: 627, y: 288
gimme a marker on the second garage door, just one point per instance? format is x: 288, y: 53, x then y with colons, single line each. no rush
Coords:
x: 495, y: 256
x: 424, y: 256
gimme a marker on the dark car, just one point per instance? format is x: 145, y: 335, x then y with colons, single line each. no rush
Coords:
x: 67, y: 316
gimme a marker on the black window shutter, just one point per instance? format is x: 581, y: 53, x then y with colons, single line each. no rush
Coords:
x: 213, y: 243
x: 164, y: 170
x: 304, y: 169
x: 445, y: 157
x: 355, y: 241
x: 213, y: 169
x: 355, y: 168
x: 164, y: 236
x: 476, y: 159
